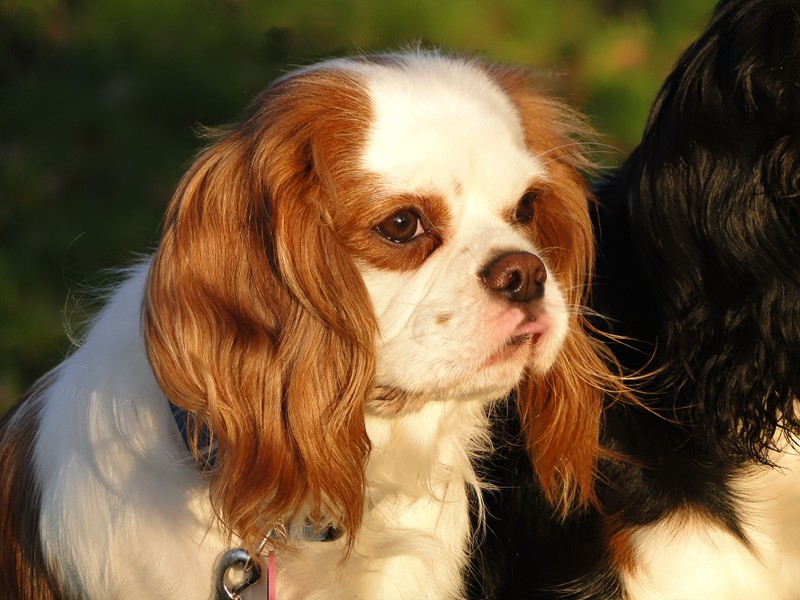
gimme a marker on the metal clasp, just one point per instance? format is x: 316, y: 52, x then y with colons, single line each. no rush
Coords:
x: 234, y: 572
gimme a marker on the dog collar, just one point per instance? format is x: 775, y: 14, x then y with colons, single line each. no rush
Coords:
x: 206, y: 460
x: 206, y: 457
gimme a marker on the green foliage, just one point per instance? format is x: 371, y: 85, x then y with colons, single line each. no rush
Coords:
x: 100, y: 101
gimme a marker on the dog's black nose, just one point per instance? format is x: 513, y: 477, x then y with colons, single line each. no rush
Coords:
x: 518, y: 276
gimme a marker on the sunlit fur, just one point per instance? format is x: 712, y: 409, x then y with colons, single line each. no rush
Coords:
x: 344, y: 378
x: 699, y: 271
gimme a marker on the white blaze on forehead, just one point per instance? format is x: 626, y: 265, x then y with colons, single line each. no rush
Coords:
x: 438, y: 122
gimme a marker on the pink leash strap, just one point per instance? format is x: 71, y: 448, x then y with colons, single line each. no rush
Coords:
x: 271, y: 575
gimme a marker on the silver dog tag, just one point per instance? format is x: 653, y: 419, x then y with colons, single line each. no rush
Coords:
x: 234, y: 572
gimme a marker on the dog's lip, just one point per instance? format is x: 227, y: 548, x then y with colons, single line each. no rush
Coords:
x: 511, y: 347
x: 525, y: 334
x: 535, y: 327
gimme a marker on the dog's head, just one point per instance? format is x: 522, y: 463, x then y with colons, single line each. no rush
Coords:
x: 714, y: 194
x: 377, y: 232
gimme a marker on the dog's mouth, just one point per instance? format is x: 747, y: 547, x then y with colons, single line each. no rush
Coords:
x: 512, y: 347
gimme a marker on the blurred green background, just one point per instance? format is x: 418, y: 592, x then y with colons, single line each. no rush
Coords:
x: 100, y: 101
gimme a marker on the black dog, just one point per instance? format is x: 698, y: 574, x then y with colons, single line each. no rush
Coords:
x: 699, y: 268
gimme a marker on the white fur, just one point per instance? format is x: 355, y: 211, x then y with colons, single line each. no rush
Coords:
x: 124, y: 510
x: 126, y: 515
x: 464, y: 143
x: 689, y: 558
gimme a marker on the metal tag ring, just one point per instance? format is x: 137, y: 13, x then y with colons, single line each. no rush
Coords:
x: 248, y: 570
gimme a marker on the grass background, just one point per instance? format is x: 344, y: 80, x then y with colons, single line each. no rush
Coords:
x: 100, y: 101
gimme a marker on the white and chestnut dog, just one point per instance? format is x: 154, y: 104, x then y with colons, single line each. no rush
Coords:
x: 381, y: 248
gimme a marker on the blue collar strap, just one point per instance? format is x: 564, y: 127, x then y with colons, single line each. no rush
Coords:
x: 206, y: 458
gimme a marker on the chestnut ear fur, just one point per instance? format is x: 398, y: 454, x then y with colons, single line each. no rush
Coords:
x: 561, y: 411
x: 248, y: 289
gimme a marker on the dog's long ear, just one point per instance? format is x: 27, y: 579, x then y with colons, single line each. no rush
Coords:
x: 561, y: 410
x: 257, y: 321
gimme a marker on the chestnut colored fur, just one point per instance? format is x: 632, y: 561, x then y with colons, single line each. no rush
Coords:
x: 23, y: 573
x: 239, y: 310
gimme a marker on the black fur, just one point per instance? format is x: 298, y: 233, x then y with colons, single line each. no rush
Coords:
x: 699, y: 264
x: 714, y: 216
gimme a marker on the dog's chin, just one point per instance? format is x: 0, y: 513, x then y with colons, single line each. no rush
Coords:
x: 388, y: 401
x: 490, y: 378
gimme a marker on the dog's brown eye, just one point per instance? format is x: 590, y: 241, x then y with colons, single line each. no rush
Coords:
x: 401, y: 227
x: 525, y: 209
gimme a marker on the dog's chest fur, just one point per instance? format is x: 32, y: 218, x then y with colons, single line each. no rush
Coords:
x: 769, y: 501
x: 416, y: 523
x: 689, y: 557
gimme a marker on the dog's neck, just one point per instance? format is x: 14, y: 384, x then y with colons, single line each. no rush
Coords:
x: 416, y: 452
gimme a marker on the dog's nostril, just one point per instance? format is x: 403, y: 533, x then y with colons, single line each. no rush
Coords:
x: 518, y: 276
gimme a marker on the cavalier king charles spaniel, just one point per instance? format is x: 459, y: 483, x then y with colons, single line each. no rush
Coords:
x: 699, y: 276
x: 289, y: 394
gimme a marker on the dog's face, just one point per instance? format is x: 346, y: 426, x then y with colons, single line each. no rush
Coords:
x: 463, y: 294
x: 376, y: 233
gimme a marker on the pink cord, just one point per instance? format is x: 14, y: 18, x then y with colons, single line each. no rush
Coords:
x: 271, y: 575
